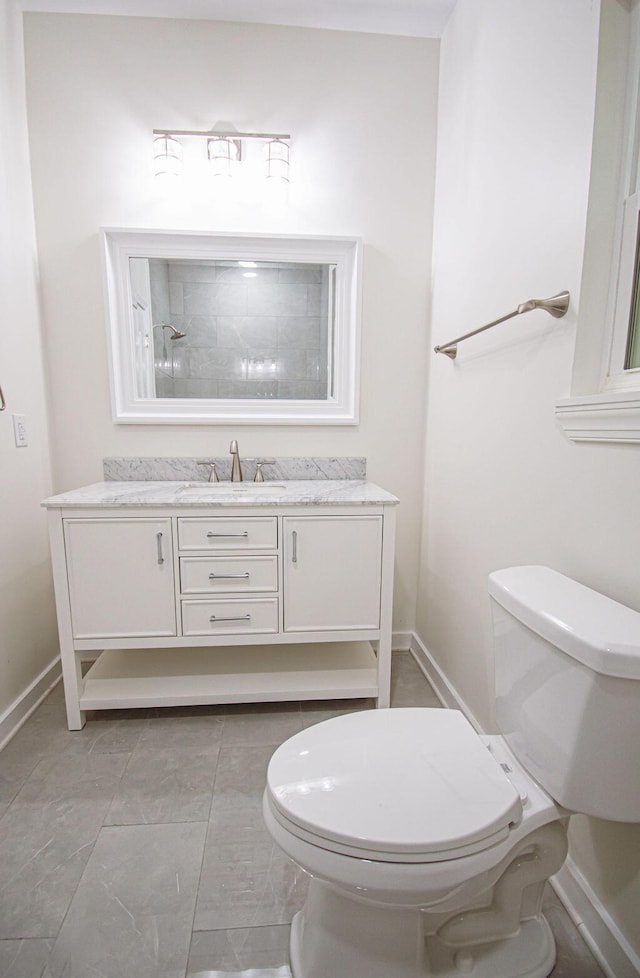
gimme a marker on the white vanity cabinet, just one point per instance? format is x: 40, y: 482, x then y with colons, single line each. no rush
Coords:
x: 183, y: 602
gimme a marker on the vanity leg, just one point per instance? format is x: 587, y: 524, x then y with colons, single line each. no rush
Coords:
x: 71, y: 667
x: 384, y: 673
x: 72, y: 679
x: 386, y: 608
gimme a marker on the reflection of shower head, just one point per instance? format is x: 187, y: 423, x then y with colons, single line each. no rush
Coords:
x: 175, y: 333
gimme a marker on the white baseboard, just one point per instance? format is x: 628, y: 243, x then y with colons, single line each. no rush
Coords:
x: 602, y: 935
x: 24, y: 705
x: 443, y: 689
x: 401, y: 641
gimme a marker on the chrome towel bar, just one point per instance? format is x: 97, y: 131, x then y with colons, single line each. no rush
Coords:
x: 556, y: 306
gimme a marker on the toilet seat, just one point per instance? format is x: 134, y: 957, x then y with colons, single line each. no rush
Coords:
x: 401, y: 785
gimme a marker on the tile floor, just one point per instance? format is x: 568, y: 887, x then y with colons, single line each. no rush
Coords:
x: 135, y: 848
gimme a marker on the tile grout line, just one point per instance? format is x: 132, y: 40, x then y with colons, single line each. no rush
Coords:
x: 204, y: 849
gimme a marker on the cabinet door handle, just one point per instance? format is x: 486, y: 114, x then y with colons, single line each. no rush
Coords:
x: 294, y: 546
x: 159, y: 542
x: 240, y: 618
x: 228, y: 577
x: 245, y: 534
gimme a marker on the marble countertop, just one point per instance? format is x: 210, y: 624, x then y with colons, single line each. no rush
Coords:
x: 184, y: 495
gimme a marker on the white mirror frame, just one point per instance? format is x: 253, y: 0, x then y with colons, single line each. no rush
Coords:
x: 121, y: 244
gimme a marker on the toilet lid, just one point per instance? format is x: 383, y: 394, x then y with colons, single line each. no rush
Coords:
x: 401, y: 781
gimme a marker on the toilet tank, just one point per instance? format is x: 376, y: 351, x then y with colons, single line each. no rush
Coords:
x: 567, y: 680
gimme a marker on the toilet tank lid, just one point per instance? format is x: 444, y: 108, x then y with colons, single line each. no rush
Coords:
x: 594, y: 629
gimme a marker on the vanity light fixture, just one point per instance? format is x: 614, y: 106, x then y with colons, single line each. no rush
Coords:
x: 226, y: 151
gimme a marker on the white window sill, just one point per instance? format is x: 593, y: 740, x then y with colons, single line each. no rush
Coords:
x: 610, y: 417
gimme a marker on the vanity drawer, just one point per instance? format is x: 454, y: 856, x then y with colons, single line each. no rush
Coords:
x: 228, y: 533
x: 232, y: 617
x: 211, y: 575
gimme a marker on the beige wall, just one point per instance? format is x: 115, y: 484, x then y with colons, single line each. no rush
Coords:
x: 28, y: 641
x: 97, y: 86
x: 503, y: 484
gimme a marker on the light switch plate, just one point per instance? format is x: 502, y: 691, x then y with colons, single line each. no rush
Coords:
x: 20, y: 430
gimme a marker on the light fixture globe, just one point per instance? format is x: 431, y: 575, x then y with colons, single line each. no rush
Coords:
x: 167, y: 156
x: 277, y: 160
x: 223, y: 153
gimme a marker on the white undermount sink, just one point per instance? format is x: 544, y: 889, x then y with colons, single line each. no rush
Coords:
x: 260, y: 488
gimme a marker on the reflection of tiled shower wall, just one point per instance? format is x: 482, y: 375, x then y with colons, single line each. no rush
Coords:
x: 246, y: 337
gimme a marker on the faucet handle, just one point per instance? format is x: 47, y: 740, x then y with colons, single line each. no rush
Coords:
x: 259, y: 477
x: 213, y: 474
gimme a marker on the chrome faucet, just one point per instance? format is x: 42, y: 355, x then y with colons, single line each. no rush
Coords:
x: 236, y: 468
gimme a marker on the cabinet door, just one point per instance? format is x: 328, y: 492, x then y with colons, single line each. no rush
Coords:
x: 121, y: 582
x: 332, y: 572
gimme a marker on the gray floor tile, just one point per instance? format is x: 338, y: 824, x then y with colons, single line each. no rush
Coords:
x: 15, y: 767
x: 184, y: 732
x: 240, y: 949
x: 281, y: 708
x: 241, y: 773
x: 574, y: 959
x: 247, y: 885
x: 46, y: 837
x: 133, y: 910
x: 404, y: 694
x: 257, y: 729
x: 550, y: 897
x: 246, y: 881
x: 202, y: 710
x: 165, y: 786
x: 74, y: 767
x: 408, y: 684
x: 108, y: 735
x: 24, y: 959
x: 237, y: 822
x: 44, y: 734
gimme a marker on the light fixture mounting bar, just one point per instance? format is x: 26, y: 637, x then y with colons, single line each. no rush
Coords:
x: 221, y: 134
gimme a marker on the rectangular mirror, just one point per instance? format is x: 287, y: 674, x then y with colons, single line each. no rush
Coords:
x: 232, y: 328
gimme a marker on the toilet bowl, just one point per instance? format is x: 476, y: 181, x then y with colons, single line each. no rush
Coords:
x: 399, y: 845
x: 428, y: 845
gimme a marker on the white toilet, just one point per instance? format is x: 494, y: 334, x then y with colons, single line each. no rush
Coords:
x: 429, y: 846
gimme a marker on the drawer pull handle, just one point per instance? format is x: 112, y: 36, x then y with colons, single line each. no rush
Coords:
x: 159, y: 543
x: 245, y: 534
x: 240, y: 618
x: 228, y: 577
x: 294, y: 544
